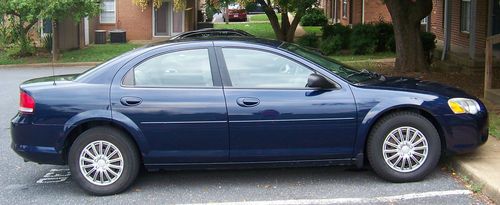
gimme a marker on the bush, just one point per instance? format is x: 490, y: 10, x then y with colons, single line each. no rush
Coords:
x: 331, y: 45
x: 364, y: 39
x: 309, y: 40
x: 314, y: 17
x: 428, y: 43
x: 385, y: 32
x: 343, y: 33
x: 391, y: 44
x: 18, y: 50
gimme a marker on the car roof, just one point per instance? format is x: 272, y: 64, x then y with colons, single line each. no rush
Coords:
x: 235, y: 39
x: 211, y: 30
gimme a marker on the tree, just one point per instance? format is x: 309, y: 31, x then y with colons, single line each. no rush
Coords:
x: 286, y: 30
x: 60, y: 9
x: 19, y: 16
x: 406, y: 16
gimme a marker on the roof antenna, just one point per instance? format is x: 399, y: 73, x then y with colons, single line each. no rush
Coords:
x: 53, y: 47
x: 53, y: 70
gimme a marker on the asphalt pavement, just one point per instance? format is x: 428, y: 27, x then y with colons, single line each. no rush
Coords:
x: 29, y: 183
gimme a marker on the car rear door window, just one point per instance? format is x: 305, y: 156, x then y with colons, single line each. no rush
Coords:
x: 188, y: 68
x: 259, y: 69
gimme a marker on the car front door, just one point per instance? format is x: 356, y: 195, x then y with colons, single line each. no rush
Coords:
x: 273, y: 116
x: 177, y: 103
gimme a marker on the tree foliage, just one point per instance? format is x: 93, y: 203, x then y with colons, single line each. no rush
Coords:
x: 18, y: 17
x: 179, y: 5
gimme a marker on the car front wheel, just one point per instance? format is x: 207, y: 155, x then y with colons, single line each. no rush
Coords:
x: 103, y: 161
x: 404, y: 147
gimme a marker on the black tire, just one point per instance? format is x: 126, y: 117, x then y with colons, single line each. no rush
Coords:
x: 129, y: 152
x: 391, y: 122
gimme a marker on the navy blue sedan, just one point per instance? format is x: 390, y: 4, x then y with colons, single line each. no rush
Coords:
x: 235, y: 103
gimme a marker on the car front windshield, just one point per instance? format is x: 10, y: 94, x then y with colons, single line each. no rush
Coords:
x: 351, y: 75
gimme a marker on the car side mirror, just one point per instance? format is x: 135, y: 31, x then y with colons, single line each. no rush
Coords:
x: 318, y: 81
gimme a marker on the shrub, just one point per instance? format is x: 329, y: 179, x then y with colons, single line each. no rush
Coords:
x: 364, y: 39
x: 314, y: 17
x: 331, y: 45
x: 391, y: 44
x: 18, y: 50
x: 385, y: 32
x: 428, y: 43
x: 344, y: 33
x: 309, y: 40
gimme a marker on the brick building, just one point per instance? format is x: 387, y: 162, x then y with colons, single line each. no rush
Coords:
x: 148, y: 24
x: 461, y: 26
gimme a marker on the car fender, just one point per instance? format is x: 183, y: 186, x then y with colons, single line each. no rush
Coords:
x: 373, y: 114
x: 106, y: 116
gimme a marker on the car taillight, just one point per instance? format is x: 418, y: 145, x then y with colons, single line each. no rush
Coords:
x: 26, y: 103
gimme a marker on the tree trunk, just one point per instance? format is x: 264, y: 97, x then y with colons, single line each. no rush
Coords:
x: 226, y: 14
x: 406, y: 16
x: 55, y: 41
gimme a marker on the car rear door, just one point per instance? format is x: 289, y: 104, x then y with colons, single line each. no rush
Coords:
x: 174, y: 96
x: 273, y: 116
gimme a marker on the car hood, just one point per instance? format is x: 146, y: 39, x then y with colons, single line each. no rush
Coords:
x: 421, y: 86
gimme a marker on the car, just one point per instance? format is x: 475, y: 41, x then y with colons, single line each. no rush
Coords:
x: 219, y: 103
x: 211, y: 32
x: 235, y: 12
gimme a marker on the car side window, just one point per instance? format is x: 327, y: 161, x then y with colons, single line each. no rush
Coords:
x: 259, y: 69
x: 189, y: 68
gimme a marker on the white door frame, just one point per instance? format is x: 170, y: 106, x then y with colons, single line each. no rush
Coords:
x: 170, y: 20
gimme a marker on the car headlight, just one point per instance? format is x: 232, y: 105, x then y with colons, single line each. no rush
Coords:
x: 464, y: 105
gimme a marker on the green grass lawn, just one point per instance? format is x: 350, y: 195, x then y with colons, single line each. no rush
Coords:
x: 261, y: 17
x: 93, y: 53
x: 313, y: 29
x: 347, y: 58
x: 261, y: 30
x: 495, y: 125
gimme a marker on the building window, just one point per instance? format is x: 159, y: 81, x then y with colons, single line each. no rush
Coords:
x: 344, y: 8
x: 465, y: 16
x: 108, y: 12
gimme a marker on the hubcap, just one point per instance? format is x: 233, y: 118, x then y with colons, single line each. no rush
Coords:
x: 101, y: 163
x: 405, y: 149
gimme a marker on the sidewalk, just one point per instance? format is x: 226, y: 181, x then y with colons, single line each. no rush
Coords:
x: 483, y: 166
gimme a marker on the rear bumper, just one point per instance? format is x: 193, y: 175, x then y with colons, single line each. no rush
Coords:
x: 38, y: 154
x: 36, y: 143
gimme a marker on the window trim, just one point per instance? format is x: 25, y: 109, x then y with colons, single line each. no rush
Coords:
x: 216, y: 81
x: 467, y: 31
x: 226, y: 78
x: 102, y: 10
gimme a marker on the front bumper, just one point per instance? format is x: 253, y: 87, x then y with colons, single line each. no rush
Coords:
x: 36, y: 143
x: 464, y: 133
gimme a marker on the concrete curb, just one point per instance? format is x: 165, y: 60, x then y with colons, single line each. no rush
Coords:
x: 40, y: 65
x: 481, y: 171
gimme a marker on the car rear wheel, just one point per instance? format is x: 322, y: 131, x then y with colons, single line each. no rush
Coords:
x: 103, y: 161
x: 404, y: 147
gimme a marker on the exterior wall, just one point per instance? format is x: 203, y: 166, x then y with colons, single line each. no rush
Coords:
x: 139, y: 24
x: 460, y: 41
x: 129, y: 17
x: 69, y: 33
x: 375, y: 11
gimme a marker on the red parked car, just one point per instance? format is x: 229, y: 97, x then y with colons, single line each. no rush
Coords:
x: 236, y: 13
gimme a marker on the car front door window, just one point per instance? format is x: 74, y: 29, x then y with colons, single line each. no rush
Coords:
x: 259, y: 69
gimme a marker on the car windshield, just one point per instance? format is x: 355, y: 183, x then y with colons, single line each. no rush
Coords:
x: 344, y: 71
